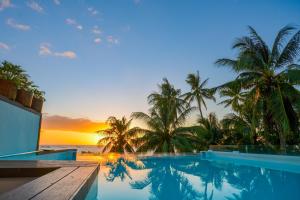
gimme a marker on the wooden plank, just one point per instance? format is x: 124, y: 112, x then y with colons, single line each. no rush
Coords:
x: 86, y: 186
x: 31, y: 189
x: 68, y: 186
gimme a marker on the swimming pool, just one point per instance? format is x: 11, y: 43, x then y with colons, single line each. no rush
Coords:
x: 43, y: 155
x: 190, y: 177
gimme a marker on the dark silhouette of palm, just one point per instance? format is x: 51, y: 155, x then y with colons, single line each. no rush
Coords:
x: 198, y: 91
x: 119, y: 137
x: 212, y: 128
x: 165, y: 131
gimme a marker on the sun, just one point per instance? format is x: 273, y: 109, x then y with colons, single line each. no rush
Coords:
x: 96, y: 138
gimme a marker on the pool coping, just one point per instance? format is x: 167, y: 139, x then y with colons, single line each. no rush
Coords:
x: 276, y: 162
x: 69, y: 179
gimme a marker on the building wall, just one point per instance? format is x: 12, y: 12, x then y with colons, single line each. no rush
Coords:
x: 19, y: 128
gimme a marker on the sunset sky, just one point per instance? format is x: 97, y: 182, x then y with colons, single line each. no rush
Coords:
x: 95, y: 59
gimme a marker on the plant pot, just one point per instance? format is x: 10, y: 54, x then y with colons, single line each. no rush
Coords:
x: 37, y: 104
x: 25, y: 97
x: 8, y: 89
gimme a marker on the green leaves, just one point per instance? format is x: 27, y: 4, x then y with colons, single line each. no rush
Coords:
x: 168, y: 113
x: 119, y: 137
x: 290, y: 52
x: 16, y: 74
x: 198, y: 91
x: 278, y: 43
x: 260, y: 82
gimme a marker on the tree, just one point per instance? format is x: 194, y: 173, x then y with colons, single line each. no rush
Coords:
x: 211, y: 128
x: 270, y: 76
x: 119, y: 137
x: 198, y: 91
x: 235, y: 97
x: 165, y: 131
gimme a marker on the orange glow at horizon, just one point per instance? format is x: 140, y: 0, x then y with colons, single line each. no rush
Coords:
x: 59, y: 137
x: 61, y: 130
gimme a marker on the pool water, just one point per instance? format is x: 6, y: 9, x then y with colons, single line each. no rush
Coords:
x: 189, y: 177
x: 47, y: 155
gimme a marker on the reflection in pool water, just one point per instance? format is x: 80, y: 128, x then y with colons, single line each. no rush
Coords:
x: 190, y: 177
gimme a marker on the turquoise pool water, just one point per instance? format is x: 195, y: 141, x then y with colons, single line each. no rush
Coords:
x: 47, y: 155
x: 190, y: 178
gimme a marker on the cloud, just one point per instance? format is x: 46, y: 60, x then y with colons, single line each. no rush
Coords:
x: 5, y: 4
x: 72, y: 22
x: 93, y: 11
x: 12, y: 23
x: 35, y: 6
x: 96, y: 30
x: 97, y: 40
x: 66, y: 54
x: 4, y: 46
x: 57, y: 2
x: 46, y: 51
x: 112, y: 40
x: 57, y: 122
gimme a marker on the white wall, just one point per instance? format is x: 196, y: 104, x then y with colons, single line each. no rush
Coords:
x: 19, y: 129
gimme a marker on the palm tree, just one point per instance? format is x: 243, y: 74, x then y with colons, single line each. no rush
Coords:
x: 212, y: 128
x: 168, y: 100
x: 198, y: 91
x: 238, y: 129
x: 235, y: 96
x: 119, y: 137
x: 167, y: 116
x: 270, y: 77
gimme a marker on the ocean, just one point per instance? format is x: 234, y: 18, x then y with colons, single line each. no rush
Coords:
x: 80, y: 148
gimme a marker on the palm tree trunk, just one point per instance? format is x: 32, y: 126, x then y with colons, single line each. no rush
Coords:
x: 253, y: 125
x: 282, y: 141
x: 199, y: 106
x: 267, y: 122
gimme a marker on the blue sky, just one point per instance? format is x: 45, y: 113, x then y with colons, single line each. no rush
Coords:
x: 100, y: 58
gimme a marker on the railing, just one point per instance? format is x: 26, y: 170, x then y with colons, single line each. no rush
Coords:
x: 259, y: 149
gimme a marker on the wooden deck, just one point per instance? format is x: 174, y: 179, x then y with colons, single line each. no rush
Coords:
x: 62, y: 180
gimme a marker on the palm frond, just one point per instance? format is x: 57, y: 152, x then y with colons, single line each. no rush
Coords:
x: 278, y: 43
x: 290, y: 52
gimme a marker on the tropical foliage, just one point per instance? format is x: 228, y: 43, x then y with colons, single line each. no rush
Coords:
x: 165, y: 121
x: 119, y: 137
x: 198, y: 91
x: 266, y: 82
x: 16, y: 74
x: 264, y: 99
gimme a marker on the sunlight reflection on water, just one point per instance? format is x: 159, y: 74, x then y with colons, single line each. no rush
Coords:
x: 188, y: 177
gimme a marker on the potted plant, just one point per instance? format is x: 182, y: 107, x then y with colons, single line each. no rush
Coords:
x: 10, y: 78
x: 25, y: 93
x: 15, y: 84
x: 38, y: 99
